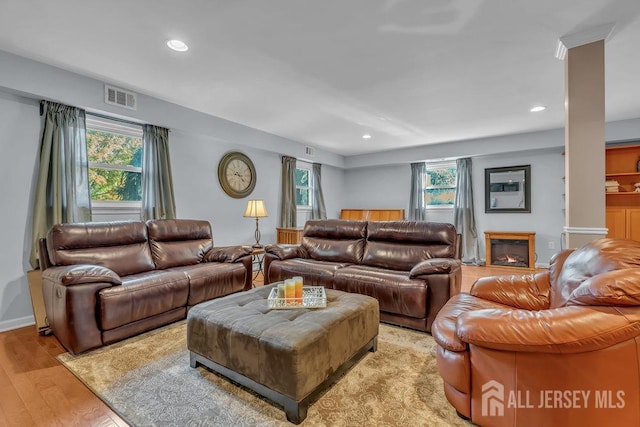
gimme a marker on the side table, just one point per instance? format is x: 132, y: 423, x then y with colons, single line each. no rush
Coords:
x: 258, y: 256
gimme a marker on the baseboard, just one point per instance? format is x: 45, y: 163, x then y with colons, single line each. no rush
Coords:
x: 21, y: 322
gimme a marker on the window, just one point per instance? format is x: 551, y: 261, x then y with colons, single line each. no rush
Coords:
x: 114, y: 150
x: 304, y: 187
x: 440, y: 185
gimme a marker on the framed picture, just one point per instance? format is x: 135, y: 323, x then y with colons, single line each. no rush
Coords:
x: 507, y: 189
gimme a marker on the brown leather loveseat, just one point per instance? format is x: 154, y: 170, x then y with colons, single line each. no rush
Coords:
x: 106, y: 281
x: 411, y: 268
x: 555, y: 348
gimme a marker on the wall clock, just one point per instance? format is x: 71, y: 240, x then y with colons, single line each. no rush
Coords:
x: 236, y: 174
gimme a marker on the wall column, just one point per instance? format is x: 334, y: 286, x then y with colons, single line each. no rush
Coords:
x: 584, y: 143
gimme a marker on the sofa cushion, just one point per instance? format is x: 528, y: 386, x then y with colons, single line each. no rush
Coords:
x: 596, y: 257
x: 119, y: 246
x: 618, y: 288
x: 141, y: 296
x: 314, y: 273
x: 400, y: 245
x: 178, y: 242
x: 394, y: 290
x: 335, y: 240
x: 213, y: 279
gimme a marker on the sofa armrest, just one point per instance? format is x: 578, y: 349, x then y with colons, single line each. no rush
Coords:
x: 286, y: 252
x: 226, y: 253
x: 435, y: 266
x: 71, y: 275
x: 571, y: 329
x: 71, y: 302
x: 527, y: 291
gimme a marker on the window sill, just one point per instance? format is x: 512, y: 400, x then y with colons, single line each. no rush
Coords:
x: 439, y: 208
x: 116, y: 208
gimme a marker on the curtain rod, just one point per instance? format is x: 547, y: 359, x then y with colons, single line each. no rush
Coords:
x: 103, y: 116
x: 115, y: 119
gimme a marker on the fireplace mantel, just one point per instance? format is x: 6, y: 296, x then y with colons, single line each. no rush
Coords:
x: 528, y: 236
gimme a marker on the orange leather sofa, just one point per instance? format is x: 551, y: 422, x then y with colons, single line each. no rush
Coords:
x: 555, y: 348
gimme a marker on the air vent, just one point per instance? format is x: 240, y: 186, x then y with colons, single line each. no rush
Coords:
x: 120, y: 97
x: 309, y: 151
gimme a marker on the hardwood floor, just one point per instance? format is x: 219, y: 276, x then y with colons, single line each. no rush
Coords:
x: 36, y: 390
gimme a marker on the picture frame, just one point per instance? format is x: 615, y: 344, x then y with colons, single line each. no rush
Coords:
x: 507, y: 189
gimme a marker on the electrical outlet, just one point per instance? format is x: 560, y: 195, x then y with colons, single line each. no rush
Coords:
x: 552, y: 244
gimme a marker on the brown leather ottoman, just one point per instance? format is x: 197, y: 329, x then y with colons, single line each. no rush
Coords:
x: 285, y: 355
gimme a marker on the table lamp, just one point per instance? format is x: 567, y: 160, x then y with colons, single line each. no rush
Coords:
x: 256, y: 209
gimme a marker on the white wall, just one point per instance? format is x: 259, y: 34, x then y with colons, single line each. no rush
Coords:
x: 388, y: 187
x: 197, y: 141
x: 547, y: 202
x: 19, y: 133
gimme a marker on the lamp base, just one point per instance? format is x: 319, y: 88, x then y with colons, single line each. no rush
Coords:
x: 257, y: 246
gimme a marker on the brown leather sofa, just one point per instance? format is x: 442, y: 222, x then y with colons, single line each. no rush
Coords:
x: 554, y: 348
x: 411, y: 268
x: 106, y: 281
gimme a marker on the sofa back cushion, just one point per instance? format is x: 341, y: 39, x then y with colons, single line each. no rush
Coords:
x: 399, y: 245
x: 596, y: 257
x: 121, y: 246
x: 335, y: 240
x: 177, y: 242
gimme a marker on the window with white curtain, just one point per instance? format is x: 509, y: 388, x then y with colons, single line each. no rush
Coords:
x: 440, y: 185
x: 114, y: 149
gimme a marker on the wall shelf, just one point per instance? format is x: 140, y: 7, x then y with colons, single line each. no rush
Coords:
x: 623, y: 207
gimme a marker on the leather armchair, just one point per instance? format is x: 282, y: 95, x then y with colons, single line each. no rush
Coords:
x: 557, y: 348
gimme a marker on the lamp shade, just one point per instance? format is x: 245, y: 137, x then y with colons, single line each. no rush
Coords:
x: 256, y: 209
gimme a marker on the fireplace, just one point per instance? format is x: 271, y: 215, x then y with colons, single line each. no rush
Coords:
x: 510, y: 249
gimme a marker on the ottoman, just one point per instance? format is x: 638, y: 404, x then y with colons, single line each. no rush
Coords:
x: 288, y: 356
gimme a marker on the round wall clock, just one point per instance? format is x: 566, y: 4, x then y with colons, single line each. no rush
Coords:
x: 236, y: 174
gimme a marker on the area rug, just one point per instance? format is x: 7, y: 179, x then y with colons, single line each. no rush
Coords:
x: 147, y: 380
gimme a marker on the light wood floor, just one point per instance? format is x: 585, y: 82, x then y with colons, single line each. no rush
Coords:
x: 36, y: 390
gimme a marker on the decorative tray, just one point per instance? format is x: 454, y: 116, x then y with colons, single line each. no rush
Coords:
x: 312, y: 297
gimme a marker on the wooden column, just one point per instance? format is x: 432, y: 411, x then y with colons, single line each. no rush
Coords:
x: 584, y: 144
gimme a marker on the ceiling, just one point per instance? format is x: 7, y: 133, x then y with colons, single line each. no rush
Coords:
x: 325, y: 72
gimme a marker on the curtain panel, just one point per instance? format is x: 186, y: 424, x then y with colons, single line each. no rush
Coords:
x: 62, y: 192
x: 318, y: 210
x: 417, y: 211
x: 288, y: 207
x: 464, y: 214
x: 158, y: 201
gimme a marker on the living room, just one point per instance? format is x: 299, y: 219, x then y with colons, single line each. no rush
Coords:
x: 365, y: 179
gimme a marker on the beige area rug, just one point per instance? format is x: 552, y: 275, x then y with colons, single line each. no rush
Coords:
x: 147, y: 380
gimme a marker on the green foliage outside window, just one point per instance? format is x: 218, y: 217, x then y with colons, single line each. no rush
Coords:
x: 114, y: 166
x: 440, y: 186
x: 302, y: 187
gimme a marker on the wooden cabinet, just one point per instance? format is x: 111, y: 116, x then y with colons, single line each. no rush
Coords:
x: 623, y: 205
x: 288, y: 236
x: 623, y: 223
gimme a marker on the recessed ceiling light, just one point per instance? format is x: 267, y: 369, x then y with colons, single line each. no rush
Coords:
x: 538, y: 108
x: 366, y: 136
x: 177, y: 45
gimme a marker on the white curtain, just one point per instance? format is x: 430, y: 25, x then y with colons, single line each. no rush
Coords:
x: 417, y: 211
x: 158, y: 201
x: 464, y: 214
x: 62, y: 190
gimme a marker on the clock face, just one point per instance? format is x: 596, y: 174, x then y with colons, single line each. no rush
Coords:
x: 236, y: 174
x: 239, y: 175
